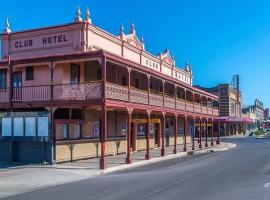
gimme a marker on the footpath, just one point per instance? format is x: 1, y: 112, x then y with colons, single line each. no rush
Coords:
x: 20, y: 179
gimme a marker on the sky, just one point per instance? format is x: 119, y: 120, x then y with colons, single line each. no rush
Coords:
x: 219, y: 38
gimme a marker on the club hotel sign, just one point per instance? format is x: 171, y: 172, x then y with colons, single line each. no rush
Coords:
x: 59, y: 39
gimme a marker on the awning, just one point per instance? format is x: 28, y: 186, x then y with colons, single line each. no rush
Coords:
x: 235, y: 119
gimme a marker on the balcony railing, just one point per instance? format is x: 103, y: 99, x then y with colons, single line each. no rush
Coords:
x: 4, y: 95
x: 138, y: 96
x: 94, y: 90
x: 81, y: 91
x: 114, y: 91
x: 155, y: 99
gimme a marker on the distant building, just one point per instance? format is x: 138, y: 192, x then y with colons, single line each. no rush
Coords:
x: 258, y: 110
x: 230, y: 107
x: 266, y: 113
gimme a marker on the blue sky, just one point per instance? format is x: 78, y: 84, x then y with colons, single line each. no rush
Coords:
x: 219, y: 38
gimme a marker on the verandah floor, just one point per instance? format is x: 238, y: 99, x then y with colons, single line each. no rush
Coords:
x: 113, y: 161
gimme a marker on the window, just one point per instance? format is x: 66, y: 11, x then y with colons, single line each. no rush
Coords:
x: 75, y: 73
x: 29, y: 73
x: 6, y: 126
x: 61, y: 131
x: 74, y: 131
x: 30, y: 126
x: 18, y: 126
x: 17, y: 79
x: 3, y: 78
x: 43, y: 126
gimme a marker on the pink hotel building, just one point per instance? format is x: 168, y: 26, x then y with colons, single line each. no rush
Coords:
x: 75, y: 91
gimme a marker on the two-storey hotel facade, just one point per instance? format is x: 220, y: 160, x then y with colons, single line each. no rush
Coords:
x: 75, y: 91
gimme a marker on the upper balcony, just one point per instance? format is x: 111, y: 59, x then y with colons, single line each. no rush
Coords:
x: 80, y: 81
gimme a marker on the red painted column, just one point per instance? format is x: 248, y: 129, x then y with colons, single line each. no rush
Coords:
x: 128, y: 159
x: 147, y: 155
x: 103, y: 138
x: 163, y: 126
x: 175, y: 134
x: 159, y: 134
x: 206, y: 133
x: 200, y: 134
x: 193, y: 135
x: 185, y: 133
x: 212, y: 133
x: 218, y: 140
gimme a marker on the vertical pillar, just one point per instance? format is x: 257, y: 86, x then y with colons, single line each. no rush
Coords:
x: 175, y: 134
x: 129, y: 81
x: 134, y: 136
x: 148, y: 83
x: 163, y: 133
x: 194, y: 129
x: 159, y: 134
x: 53, y: 138
x: 147, y: 155
x: 206, y: 133
x: 200, y: 134
x: 10, y: 84
x: 103, y: 138
x: 128, y: 159
x: 185, y: 133
x: 218, y: 140
x: 212, y: 132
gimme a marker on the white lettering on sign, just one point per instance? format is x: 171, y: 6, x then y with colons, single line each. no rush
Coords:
x: 45, y: 41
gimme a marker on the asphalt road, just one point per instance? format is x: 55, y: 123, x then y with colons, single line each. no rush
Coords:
x: 240, y: 173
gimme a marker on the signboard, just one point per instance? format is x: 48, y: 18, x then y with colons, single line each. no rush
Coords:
x: 141, y: 121
x: 141, y: 129
x: 96, y: 128
x: 123, y: 128
x: 41, y: 41
x: 152, y: 129
x: 203, y: 124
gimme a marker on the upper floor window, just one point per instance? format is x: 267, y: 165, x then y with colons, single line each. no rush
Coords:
x: 29, y: 73
x: 3, y: 78
x: 75, y: 73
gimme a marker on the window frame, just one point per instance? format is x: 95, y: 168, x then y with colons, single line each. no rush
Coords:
x: 29, y: 73
x: 73, y: 76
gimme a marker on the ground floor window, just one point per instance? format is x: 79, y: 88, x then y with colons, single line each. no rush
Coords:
x: 25, y: 126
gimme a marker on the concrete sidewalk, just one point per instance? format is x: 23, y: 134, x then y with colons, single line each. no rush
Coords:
x: 20, y: 179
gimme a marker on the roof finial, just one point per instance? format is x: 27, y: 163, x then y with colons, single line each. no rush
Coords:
x: 7, y: 28
x: 121, y: 34
x: 132, y: 28
x: 142, y: 40
x: 78, y: 15
x: 88, y: 15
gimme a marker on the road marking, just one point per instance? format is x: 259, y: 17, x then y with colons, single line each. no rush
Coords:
x: 195, y: 159
x: 266, y: 185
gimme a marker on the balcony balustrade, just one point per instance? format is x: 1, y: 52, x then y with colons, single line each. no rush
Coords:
x: 204, y: 110
x: 138, y: 96
x: 197, y: 108
x: 93, y: 90
x: 4, y: 95
x: 155, y: 99
x: 169, y: 102
x: 189, y: 106
x: 180, y: 104
x: 118, y: 92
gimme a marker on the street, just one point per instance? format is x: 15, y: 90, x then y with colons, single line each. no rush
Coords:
x: 239, y: 173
